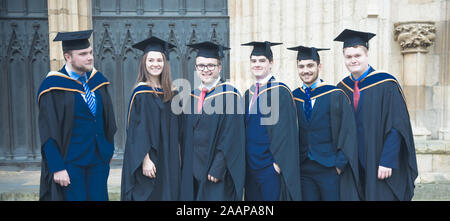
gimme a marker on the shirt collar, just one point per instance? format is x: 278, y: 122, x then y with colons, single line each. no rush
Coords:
x: 265, y: 80
x: 314, y: 85
x: 209, y: 87
x: 72, y: 74
x: 362, y: 76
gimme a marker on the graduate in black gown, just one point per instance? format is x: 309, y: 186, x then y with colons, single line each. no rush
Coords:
x: 327, y: 133
x: 151, y: 164
x: 273, y: 167
x: 386, y: 150
x: 213, y: 133
x: 76, y: 125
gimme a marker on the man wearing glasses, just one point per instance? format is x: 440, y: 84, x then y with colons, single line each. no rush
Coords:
x: 213, y: 133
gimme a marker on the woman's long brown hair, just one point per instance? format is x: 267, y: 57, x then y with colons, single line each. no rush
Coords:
x: 165, y: 78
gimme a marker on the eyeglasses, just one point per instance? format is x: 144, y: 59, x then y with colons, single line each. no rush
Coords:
x: 210, y: 67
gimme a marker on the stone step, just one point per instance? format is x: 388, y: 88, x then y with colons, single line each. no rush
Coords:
x: 423, y: 192
x: 34, y: 196
x: 432, y: 192
x: 22, y: 184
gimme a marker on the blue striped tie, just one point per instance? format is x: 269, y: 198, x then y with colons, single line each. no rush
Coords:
x: 308, y: 106
x: 90, y: 99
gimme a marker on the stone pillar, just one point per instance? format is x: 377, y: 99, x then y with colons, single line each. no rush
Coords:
x: 64, y: 16
x: 308, y: 23
x: 444, y: 132
x: 414, y: 39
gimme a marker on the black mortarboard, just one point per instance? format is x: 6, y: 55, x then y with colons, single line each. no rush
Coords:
x: 74, y: 40
x: 261, y: 48
x: 209, y: 49
x: 154, y: 44
x: 305, y: 53
x: 352, y: 38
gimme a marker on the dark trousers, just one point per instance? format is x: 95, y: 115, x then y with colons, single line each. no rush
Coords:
x: 319, y: 183
x: 262, y: 185
x: 87, y: 182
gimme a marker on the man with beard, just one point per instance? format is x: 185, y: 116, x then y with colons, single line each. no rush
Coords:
x: 76, y: 124
x: 327, y: 133
x: 386, y: 150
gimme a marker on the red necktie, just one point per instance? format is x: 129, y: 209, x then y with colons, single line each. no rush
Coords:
x: 200, y: 101
x: 356, y: 95
x: 255, y: 95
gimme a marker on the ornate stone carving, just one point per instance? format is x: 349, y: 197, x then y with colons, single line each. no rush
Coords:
x: 415, y: 36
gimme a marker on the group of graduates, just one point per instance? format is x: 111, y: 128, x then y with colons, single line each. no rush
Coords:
x: 319, y: 142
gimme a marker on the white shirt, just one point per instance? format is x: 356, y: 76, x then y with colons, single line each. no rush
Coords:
x: 211, y: 85
x: 261, y: 82
x: 265, y: 80
x: 76, y: 76
x: 313, y: 101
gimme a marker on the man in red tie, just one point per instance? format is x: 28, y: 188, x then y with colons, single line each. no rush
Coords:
x: 273, y: 164
x: 213, y: 133
x: 386, y: 150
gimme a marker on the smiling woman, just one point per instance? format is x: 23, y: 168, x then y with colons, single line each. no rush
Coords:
x: 154, y: 64
x: 154, y: 69
x: 151, y: 165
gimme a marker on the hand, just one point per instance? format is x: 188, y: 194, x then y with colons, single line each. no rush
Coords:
x: 148, y: 167
x: 212, y: 179
x: 338, y: 171
x: 384, y: 172
x: 62, y: 178
x: 276, y: 167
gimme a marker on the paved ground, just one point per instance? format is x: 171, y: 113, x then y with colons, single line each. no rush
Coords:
x: 22, y: 183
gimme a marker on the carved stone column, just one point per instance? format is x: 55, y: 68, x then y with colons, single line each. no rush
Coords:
x: 444, y: 132
x: 414, y: 39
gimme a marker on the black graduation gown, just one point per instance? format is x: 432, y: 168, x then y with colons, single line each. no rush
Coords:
x: 343, y: 132
x: 283, y: 136
x: 225, y: 134
x: 381, y: 108
x: 56, y: 112
x: 153, y: 129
